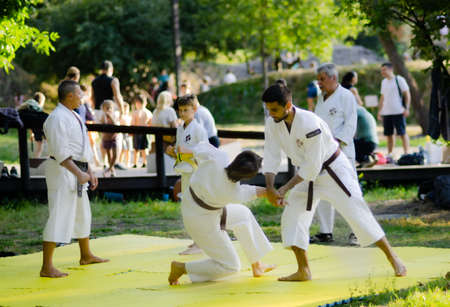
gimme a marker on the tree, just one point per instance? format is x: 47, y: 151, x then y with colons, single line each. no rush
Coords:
x: 426, y: 19
x: 266, y: 27
x: 15, y: 33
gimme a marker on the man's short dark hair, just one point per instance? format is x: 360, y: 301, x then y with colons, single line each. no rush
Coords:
x: 66, y: 87
x: 244, y: 166
x: 387, y: 64
x: 278, y: 92
x: 106, y: 65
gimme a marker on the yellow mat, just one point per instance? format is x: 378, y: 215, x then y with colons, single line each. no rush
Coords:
x: 137, y: 276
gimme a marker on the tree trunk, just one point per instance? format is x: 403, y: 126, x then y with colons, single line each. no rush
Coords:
x: 263, y: 45
x: 176, y: 43
x: 420, y: 110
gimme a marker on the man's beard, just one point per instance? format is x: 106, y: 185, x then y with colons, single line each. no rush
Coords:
x: 280, y: 119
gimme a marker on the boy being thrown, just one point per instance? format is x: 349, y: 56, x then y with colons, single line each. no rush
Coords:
x: 207, y: 211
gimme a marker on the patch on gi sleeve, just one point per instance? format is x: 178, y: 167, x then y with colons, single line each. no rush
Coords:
x: 313, y: 133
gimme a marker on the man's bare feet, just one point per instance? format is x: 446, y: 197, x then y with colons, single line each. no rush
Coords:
x: 191, y: 250
x: 260, y: 268
x: 177, y: 269
x: 297, y: 276
x: 399, y: 267
x: 92, y: 259
x: 52, y: 272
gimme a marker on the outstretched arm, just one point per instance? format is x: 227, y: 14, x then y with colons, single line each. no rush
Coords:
x: 289, y: 185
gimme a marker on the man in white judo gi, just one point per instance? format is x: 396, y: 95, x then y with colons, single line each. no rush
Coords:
x: 337, y: 107
x: 207, y: 211
x: 67, y: 174
x: 323, y: 173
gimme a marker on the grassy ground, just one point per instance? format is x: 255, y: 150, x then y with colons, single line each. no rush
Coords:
x: 22, y: 221
x: 9, y: 147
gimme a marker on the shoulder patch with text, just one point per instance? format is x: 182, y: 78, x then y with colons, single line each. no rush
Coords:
x: 313, y: 133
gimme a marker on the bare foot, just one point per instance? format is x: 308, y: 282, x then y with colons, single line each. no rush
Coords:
x: 92, y: 259
x: 177, y: 269
x: 297, y: 276
x: 399, y: 267
x: 260, y: 268
x: 191, y: 250
x: 52, y: 273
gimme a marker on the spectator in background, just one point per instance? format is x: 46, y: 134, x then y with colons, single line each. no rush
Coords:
x: 204, y: 86
x: 73, y: 73
x: 87, y: 116
x: 35, y: 104
x: 393, y: 107
x: 165, y: 116
x: 206, y: 120
x: 140, y: 117
x: 229, y: 77
x: 109, y: 140
x: 313, y: 91
x: 154, y: 86
x: 185, y: 88
x: 127, y: 139
x: 366, y: 139
x: 349, y: 80
x: 163, y: 77
x: 105, y: 86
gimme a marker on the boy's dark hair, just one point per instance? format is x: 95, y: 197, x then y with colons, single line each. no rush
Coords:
x: 187, y: 100
x: 387, y: 64
x: 278, y: 92
x: 66, y: 87
x: 244, y: 166
x: 106, y: 65
x: 141, y: 98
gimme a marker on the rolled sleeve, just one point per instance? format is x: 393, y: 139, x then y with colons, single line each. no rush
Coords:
x: 272, y: 153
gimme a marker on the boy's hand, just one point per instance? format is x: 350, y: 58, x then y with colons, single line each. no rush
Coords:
x: 274, y: 197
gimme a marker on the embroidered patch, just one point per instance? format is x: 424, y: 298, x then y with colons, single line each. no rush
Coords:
x: 313, y: 133
x: 188, y: 138
x: 332, y: 111
x: 299, y: 143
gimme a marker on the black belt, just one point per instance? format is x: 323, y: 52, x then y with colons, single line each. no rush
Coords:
x: 201, y: 203
x: 83, y: 166
x: 326, y: 166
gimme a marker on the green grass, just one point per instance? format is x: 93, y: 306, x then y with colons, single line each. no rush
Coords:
x: 9, y: 147
x: 413, y: 142
x: 433, y: 293
x: 22, y: 221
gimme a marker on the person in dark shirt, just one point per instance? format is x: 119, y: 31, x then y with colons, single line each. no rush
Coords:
x: 105, y: 87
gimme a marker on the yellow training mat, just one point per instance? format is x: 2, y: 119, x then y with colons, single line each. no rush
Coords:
x: 139, y: 267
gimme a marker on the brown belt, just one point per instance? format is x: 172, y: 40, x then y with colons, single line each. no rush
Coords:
x: 83, y: 166
x: 201, y: 203
x: 326, y: 166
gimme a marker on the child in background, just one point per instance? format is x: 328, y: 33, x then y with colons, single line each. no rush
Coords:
x: 127, y: 140
x: 189, y: 134
x: 109, y: 140
x: 140, y: 117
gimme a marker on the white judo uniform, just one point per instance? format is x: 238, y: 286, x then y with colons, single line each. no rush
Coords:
x: 309, y: 144
x: 188, y: 137
x: 69, y: 215
x: 210, y: 183
x: 339, y: 112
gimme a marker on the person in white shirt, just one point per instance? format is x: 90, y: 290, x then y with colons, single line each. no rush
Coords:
x: 189, y: 134
x: 208, y: 211
x: 205, y: 118
x: 393, y: 107
x: 229, y: 77
x: 323, y: 173
x: 336, y: 105
x: 164, y: 115
x: 67, y: 174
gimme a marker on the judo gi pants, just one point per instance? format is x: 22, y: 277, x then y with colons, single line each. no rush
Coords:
x: 69, y: 215
x: 296, y: 220
x: 203, y: 227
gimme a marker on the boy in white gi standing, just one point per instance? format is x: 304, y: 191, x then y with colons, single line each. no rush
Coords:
x: 337, y: 107
x: 207, y: 211
x: 67, y: 174
x: 323, y: 173
x: 189, y: 134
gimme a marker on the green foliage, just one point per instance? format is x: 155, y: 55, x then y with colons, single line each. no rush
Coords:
x: 241, y: 102
x: 15, y: 33
x: 425, y: 17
